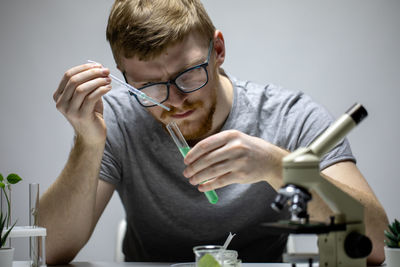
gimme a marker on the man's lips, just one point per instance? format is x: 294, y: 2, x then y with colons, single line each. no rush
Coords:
x: 182, y: 115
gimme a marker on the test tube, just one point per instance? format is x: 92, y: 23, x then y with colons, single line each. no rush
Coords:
x: 33, y: 204
x: 184, y: 148
x: 33, y: 222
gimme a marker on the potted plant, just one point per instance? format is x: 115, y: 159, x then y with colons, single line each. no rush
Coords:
x: 6, y: 253
x: 392, y: 248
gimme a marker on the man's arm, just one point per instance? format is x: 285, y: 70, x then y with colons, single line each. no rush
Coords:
x: 347, y: 177
x: 70, y: 208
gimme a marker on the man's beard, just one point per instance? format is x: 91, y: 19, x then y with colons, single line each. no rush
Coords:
x: 195, y: 130
x: 198, y: 129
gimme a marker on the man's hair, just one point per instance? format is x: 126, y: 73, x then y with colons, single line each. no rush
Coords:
x: 145, y: 28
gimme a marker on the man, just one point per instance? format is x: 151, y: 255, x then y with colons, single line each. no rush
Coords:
x: 239, y: 132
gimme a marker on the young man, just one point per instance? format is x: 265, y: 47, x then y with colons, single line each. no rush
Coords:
x: 239, y: 132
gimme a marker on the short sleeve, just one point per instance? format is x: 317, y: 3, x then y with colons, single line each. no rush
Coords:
x: 306, y: 121
x: 111, y: 164
x: 299, y: 120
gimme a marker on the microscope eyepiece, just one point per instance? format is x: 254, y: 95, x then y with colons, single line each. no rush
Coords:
x: 357, y: 112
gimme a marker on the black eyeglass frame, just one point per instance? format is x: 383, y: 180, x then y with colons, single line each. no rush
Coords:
x: 172, y: 81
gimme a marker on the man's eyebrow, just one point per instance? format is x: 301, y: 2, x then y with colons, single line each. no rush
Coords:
x: 188, y: 65
x: 195, y: 62
x: 191, y: 64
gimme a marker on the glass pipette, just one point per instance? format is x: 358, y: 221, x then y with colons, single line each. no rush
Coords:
x: 134, y: 90
x: 184, y: 148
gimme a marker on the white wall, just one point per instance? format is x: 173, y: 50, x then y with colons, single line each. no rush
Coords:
x: 339, y: 52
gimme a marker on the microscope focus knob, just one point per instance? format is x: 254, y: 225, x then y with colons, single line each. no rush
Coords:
x: 357, y: 245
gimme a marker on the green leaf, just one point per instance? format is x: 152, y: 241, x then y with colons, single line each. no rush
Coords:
x: 4, y: 237
x: 1, y: 177
x: 2, y: 185
x: 13, y: 178
x: 390, y: 236
x: 393, y: 229
x: 2, y: 222
x: 396, y: 225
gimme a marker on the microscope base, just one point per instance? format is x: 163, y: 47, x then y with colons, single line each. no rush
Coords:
x: 332, y: 252
x: 331, y: 240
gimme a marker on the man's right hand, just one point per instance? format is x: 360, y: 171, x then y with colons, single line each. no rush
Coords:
x: 78, y: 98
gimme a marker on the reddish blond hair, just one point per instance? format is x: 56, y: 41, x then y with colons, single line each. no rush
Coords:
x: 145, y: 28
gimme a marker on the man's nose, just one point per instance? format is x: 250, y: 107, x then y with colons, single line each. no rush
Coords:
x: 176, y: 97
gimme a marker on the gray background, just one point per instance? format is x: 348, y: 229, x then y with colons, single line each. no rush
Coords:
x: 339, y: 52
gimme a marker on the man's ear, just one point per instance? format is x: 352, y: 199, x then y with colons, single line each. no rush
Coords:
x: 219, y: 48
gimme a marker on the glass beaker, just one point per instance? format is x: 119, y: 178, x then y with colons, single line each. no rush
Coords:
x: 214, y: 255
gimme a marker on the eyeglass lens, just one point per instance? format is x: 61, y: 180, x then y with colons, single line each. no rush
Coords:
x: 188, y: 81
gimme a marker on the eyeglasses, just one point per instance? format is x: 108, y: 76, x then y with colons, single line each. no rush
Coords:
x: 188, y: 81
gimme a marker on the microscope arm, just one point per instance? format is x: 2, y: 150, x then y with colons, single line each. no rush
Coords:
x: 345, y: 207
x: 301, y: 168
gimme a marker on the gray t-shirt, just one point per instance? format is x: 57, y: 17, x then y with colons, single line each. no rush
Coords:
x: 167, y: 216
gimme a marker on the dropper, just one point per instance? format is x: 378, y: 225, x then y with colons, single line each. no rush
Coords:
x: 228, y: 240
x: 134, y: 90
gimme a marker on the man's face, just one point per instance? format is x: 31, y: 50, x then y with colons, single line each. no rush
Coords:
x: 193, y: 112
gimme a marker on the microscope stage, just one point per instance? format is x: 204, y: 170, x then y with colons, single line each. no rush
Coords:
x: 293, y: 227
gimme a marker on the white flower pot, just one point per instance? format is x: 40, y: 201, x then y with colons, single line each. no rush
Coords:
x: 392, y: 257
x: 6, y: 257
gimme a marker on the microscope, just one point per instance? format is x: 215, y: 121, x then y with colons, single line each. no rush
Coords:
x: 342, y: 242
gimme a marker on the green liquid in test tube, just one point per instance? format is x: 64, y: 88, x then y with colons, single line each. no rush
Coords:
x: 184, y: 149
